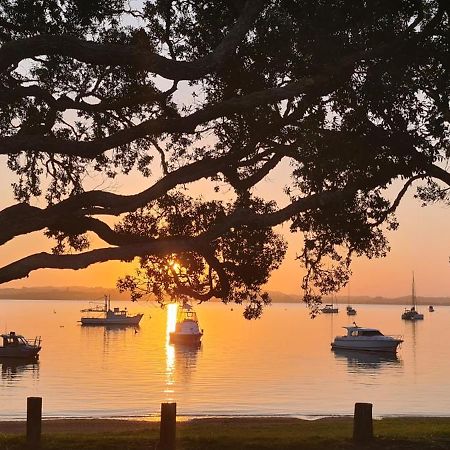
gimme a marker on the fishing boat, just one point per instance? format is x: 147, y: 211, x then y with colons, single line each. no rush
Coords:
x: 412, y: 313
x: 351, y: 311
x: 431, y: 308
x: 187, y: 330
x: 16, y: 346
x: 367, y: 339
x: 104, y: 315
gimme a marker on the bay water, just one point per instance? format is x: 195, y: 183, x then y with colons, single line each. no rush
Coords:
x: 279, y: 365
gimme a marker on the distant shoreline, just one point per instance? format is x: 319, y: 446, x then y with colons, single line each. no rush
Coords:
x: 87, y: 294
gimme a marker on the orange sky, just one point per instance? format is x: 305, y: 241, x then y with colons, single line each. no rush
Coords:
x: 422, y: 244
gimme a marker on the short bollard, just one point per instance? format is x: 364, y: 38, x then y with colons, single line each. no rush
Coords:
x: 34, y: 421
x: 167, y: 428
x: 362, y: 422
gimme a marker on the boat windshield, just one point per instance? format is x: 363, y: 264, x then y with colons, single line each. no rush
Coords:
x: 370, y: 333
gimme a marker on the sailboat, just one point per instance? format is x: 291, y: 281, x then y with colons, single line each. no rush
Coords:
x: 350, y: 310
x: 412, y: 313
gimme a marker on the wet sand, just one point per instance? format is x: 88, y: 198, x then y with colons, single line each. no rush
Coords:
x: 79, y: 426
x: 84, y: 426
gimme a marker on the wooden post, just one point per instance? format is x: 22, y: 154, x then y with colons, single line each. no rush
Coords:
x: 34, y: 421
x: 167, y: 428
x: 362, y: 422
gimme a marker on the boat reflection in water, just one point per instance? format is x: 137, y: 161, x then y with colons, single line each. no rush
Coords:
x: 16, y: 368
x: 363, y: 361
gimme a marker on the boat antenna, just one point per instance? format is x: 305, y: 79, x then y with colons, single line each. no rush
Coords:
x: 354, y: 323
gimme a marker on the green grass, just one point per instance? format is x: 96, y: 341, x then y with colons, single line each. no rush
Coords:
x: 258, y: 434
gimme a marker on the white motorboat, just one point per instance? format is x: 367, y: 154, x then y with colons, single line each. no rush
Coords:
x: 329, y: 309
x: 412, y: 313
x: 367, y: 339
x: 187, y: 330
x: 104, y: 315
x: 16, y: 346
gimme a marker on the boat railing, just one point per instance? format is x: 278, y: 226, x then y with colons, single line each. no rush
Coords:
x: 396, y: 336
x: 35, y: 342
x: 94, y: 309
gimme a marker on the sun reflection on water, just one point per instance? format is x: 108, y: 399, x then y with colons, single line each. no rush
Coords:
x: 171, y: 318
x: 170, y: 349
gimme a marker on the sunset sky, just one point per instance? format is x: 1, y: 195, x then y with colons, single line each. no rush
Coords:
x: 421, y: 244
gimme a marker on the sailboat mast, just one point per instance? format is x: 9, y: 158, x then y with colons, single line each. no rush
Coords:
x: 413, y: 292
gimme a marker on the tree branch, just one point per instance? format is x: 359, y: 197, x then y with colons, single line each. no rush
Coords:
x: 111, y: 54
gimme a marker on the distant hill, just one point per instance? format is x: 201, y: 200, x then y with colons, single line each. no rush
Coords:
x: 66, y: 293
x: 279, y: 297
x: 95, y: 293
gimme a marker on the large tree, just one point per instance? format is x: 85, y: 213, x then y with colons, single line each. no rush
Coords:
x: 354, y: 95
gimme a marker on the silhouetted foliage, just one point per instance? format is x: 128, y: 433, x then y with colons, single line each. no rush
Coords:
x: 353, y: 95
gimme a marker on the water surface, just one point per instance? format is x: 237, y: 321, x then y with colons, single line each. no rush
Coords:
x: 279, y: 365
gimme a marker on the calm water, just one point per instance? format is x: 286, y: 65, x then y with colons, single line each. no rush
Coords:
x: 279, y: 365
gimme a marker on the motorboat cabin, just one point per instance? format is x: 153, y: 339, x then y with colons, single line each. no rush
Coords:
x: 368, y: 339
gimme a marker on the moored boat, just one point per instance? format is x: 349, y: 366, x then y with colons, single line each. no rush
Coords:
x: 367, y: 339
x: 351, y: 311
x: 412, y: 313
x: 431, y: 308
x: 329, y: 309
x: 104, y: 315
x: 187, y: 330
x: 16, y: 346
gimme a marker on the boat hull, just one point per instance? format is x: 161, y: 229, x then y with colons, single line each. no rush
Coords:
x: 185, y: 338
x: 123, y: 321
x: 375, y: 345
x: 20, y: 352
x: 409, y: 316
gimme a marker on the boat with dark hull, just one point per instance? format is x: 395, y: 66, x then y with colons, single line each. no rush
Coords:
x: 329, y: 309
x: 104, y: 315
x: 16, y: 346
x: 411, y: 313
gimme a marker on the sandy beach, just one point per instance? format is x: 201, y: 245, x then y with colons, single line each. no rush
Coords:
x: 79, y: 426
x: 84, y: 426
